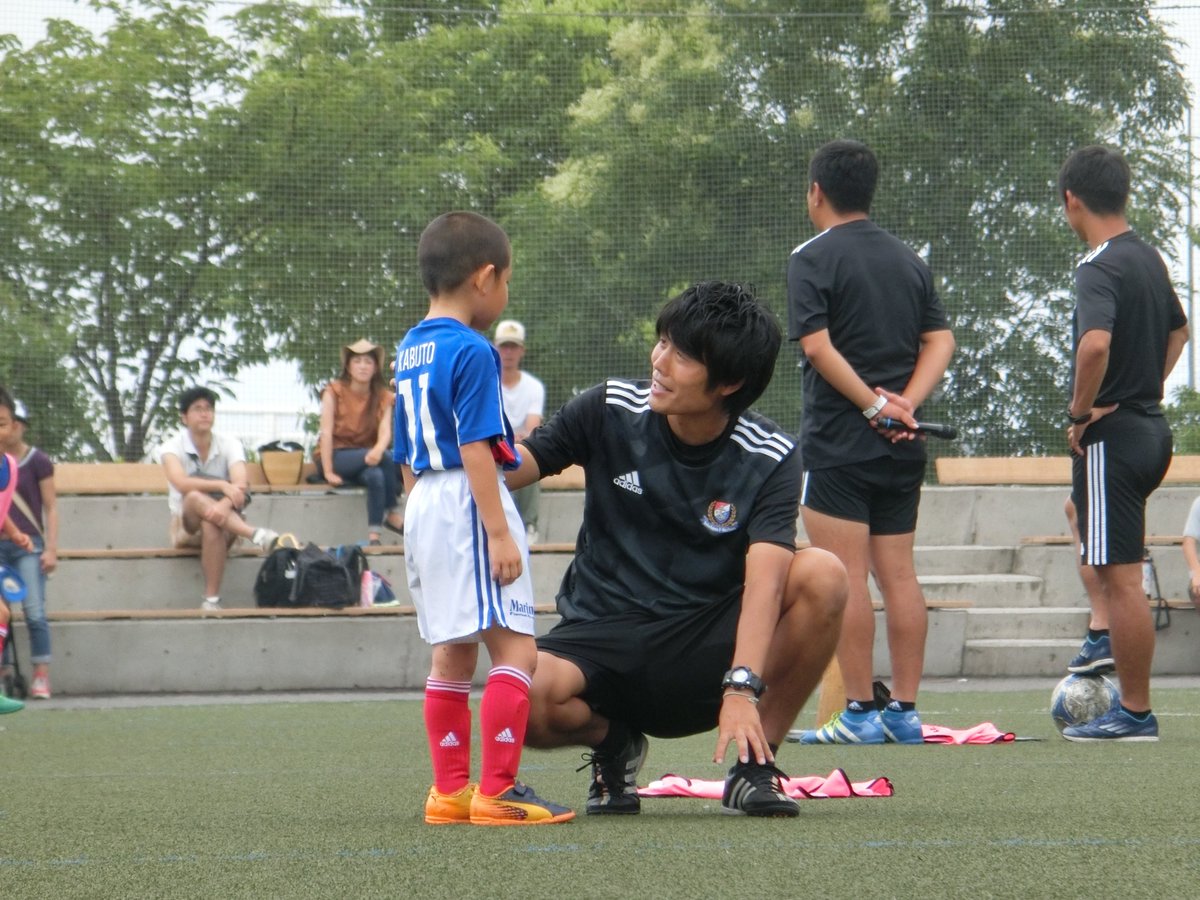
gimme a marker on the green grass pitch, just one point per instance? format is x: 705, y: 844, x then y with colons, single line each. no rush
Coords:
x: 324, y: 799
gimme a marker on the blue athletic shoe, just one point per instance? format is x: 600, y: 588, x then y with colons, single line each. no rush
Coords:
x: 847, y: 727
x: 1094, y: 658
x: 902, y: 727
x: 1114, y: 725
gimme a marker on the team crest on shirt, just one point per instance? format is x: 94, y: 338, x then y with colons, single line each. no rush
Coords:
x: 720, y: 517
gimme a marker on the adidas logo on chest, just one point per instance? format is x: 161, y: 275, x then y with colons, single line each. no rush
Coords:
x: 630, y: 481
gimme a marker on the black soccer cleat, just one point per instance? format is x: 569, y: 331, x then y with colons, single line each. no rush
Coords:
x: 613, y: 791
x: 757, y: 790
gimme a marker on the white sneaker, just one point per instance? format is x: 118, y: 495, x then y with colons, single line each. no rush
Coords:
x: 41, y: 688
x: 264, y: 538
x: 211, y: 605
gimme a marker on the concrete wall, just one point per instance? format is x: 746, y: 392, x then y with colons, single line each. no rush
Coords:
x: 1028, y: 606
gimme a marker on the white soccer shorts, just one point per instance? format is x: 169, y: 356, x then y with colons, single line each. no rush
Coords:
x: 449, y: 572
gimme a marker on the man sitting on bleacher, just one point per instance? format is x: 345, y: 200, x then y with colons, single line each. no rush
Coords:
x: 208, y: 490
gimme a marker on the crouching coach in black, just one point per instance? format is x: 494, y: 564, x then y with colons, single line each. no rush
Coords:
x: 687, y: 606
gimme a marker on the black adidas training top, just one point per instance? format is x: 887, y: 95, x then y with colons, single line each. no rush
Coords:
x: 876, y: 298
x: 1123, y: 287
x: 666, y: 526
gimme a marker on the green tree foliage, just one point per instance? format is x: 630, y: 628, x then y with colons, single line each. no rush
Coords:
x: 175, y: 201
x: 33, y: 341
x: 355, y: 133
x: 115, y: 188
x: 994, y: 98
x: 690, y: 159
x: 1184, y: 416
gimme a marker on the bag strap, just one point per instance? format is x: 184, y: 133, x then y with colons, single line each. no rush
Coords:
x: 19, y: 503
x: 286, y: 539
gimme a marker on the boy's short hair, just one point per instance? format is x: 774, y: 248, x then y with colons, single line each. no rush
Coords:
x: 191, y: 395
x: 847, y: 172
x: 1099, y: 177
x: 455, y: 246
x: 7, y: 401
x: 724, y: 326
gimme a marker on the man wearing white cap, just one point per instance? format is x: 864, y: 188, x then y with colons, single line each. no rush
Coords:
x: 524, y: 404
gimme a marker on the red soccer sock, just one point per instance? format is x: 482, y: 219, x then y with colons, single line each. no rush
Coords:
x: 448, y: 728
x: 503, y: 715
x: 3, y: 636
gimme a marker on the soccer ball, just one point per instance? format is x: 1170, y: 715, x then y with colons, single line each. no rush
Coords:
x: 1079, y: 699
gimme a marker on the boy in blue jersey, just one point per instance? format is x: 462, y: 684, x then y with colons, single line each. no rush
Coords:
x: 464, y: 545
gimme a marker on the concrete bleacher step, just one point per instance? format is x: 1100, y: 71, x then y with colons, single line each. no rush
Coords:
x: 983, y: 590
x: 1001, y: 657
x: 963, y: 559
x: 158, y: 579
x: 1022, y: 610
x: 214, y: 655
x: 1177, y: 648
x: 334, y: 517
x: 1016, y: 623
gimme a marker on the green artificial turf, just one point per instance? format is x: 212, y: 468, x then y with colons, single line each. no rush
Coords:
x: 324, y: 799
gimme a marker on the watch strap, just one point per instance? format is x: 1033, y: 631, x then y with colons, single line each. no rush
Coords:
x: 875, y: 408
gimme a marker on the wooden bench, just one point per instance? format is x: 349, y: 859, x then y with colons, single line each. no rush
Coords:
x: 241, y: 551
x: 308, y: 612
x: 989, y: 470
x: 246, y: 612
x: 148, y: 478
x: 1054, y: 540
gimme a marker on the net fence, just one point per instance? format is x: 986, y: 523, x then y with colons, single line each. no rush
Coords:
x: 226, y: 193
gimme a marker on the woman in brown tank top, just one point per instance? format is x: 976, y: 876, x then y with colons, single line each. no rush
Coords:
x: 356, y: 434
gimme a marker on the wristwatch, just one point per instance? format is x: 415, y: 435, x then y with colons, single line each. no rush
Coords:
x: 875, y: 408
x: 743, y: 677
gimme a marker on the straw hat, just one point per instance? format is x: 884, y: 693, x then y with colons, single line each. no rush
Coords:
x: 360, y: 347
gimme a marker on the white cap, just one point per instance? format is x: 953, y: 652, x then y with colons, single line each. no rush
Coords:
x: 510, y: 331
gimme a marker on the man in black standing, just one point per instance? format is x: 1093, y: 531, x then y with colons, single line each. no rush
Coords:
x: 1129, y: 329
x: 876, y: 343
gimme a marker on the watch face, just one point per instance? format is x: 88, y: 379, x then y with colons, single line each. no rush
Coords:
x: 740, y: 676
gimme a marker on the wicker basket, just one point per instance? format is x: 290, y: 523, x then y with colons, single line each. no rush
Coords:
x: 282, y: 466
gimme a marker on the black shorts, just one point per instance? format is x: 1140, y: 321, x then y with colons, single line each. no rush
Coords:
x: 1126, y: 455
x: 883, y: 493
x: 661, y: 676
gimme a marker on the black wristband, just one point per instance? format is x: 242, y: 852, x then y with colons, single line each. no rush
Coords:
x: 1079, y: 420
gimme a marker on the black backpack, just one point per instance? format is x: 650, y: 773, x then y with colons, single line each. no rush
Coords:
x: 277, y: 575
x: 329, y: 577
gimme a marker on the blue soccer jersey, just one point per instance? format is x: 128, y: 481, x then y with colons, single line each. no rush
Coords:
x: 447, y: 394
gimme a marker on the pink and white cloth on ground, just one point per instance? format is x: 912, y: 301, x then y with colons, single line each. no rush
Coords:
x: 811, y: 787
x: 983, y: 733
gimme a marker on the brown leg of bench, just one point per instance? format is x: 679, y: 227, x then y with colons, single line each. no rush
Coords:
x: 831, y: 696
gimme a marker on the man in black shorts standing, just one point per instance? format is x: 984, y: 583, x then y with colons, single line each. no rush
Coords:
x: 876, y: 343
x: 687, y: 606
x: 1128, y: 331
